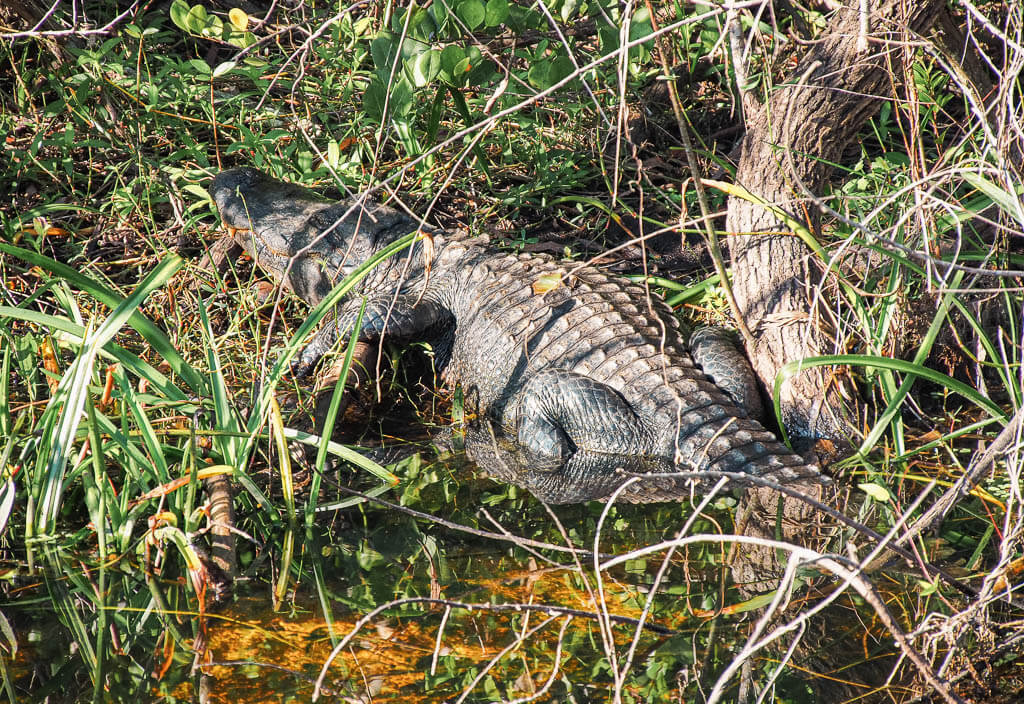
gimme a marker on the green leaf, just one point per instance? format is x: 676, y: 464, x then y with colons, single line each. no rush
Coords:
x: 239, y: 20
x: 1008, y: 202
x: 199, y: 67
x: 223, y: 68
x: 374, y: 100
x: 333, y: 153
x: 538, y: 75
x: 413, y: 47
x: 214, y: 28
x: 876, y: 491
x: 243, y: 41
x: 362, y: 26
x: 561, y: 67
x: 7, y: 495
x: 496, y: 12
x: 424, y: 68
x: 569, y: 8
x: 195, y: 20
x: 198, y: 191
x: 179, y: 14
x: 451, y: 57
x: 461, y: 72
x: 640, y: 26
x: 383, y: 51
x: 401, y: 97
x: 472, y: 13
x: 422, y: 25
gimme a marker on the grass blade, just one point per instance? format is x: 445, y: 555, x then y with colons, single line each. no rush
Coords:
x: 145, y: 327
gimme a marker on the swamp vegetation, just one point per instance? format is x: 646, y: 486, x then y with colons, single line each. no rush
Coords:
x: 855, y: 175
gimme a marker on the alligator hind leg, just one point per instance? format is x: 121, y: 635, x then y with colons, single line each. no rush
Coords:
x: 717, y: 353
x: 557, y: 413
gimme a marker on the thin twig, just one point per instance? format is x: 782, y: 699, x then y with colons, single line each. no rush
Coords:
x: 72, y: 32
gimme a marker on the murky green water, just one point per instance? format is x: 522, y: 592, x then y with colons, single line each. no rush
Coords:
x: 464, y: 589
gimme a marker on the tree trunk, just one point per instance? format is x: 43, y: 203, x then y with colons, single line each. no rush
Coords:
x: 789, y: 146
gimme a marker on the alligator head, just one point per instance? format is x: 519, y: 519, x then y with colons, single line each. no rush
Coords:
x: 305, y: 241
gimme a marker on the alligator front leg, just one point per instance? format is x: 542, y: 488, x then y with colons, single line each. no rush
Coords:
x: 559, y: 413
x: 403, y: 317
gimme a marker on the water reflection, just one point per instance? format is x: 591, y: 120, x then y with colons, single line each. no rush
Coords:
x: 585, y: 476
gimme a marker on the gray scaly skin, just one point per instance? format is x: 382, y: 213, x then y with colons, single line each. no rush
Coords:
x: 581, y: 375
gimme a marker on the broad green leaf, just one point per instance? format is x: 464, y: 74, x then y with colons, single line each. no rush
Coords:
x: 424, y: 68
x: 195, y: 20
x: 374, y: 100
x: 179, y: 14
x: 401, y: 97
x: 200, y: 67
x: 196, y: 190
x: 223, y: 68
x: 876, y: 491
x: 640, y: 26
x: 239, y: 19
x: 422, y: 25
x: 561, y: 67
x: 243, y: 41
x: 538, y: 75
x: 496, y: 12
x: 451, y: 57
x: 461, y: 71
x: 214, y: 28
x: 472, y: 12
x: 382, y: 49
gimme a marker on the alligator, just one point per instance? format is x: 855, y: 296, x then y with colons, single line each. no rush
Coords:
x: 583, y: 378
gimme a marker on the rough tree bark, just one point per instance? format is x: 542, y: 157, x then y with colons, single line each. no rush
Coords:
x: 790, y: 145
